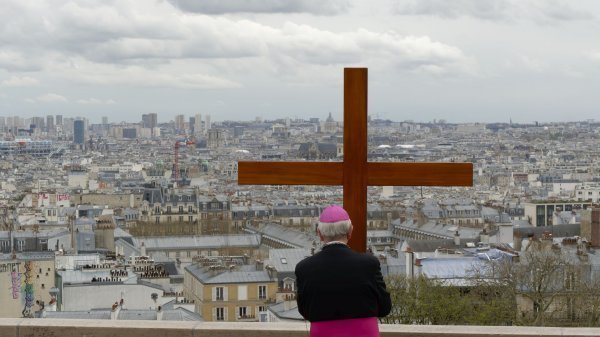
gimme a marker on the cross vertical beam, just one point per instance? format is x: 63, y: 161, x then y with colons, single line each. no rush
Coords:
x: 355, y: 154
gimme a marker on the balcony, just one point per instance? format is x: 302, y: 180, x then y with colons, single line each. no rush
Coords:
x: 99, y: 328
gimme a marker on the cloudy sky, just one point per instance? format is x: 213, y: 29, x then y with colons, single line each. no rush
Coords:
x: 459, y: 60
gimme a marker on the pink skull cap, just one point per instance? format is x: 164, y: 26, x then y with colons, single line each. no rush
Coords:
x: 333, y: 213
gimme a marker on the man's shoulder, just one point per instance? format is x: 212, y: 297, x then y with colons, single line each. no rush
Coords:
x: 366, y: 257
x: 304, y: 262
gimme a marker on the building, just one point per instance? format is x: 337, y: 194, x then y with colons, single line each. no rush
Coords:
x: 50, y: 123
x: 216, y: 138
x: 185, y: 248
x: 198, y: 124
x: 180, y: 123
x: 330, y: 125
x: 230, y: 293
x: 150, y: 120
x: 79, y: 132
x: 26, y: 280
x: 587, y: 192
x: 129, y: 133
x: 316, y: 150
x: 207, y: 125
x: 542, y: 213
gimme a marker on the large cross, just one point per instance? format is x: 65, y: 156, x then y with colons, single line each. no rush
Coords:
x: 355, y: 173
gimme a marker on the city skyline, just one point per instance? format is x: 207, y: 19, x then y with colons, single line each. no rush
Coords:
x: 468, y: 61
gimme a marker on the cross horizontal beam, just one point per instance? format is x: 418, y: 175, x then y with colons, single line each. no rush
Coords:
x: 289, y: 173
x: 331, y: 173
x: 420, y: 174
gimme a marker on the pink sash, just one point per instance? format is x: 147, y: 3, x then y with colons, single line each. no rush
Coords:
x: 359, y: 327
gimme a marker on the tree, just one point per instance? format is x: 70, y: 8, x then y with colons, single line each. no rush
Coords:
x: 426, y: 301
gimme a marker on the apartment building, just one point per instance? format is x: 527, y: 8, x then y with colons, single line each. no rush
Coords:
x: 230, y: 293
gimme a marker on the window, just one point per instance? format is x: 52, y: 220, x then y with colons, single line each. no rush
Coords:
x: 157, y: 219
x: 190, y: 219
x: 242, y: 293
x: 20, y: 245
x: 157, y: 209
x: 262, y: 292
x: 220, y: 314
x: 168, y: 209
x: 219, y: 293
x: 242, y: 312
x: 181, y: 218
x: 262, y: 308
x: 190, y: 209
x: 180, y: 209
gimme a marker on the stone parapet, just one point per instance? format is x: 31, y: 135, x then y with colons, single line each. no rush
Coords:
x: 102, y: 328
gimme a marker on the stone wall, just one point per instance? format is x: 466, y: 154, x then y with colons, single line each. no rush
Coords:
x: 103, y: 328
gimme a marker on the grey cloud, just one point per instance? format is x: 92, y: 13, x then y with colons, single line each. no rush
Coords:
x: 488, y: 9
x: 317, y: 7
x: 539, y: 11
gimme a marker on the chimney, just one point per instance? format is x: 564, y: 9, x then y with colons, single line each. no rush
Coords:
x: 290, y: 303
x: 505, y: 233
x: 418, y: 267
x: 410, y: 268
x: 271, y: 271
x: 484, y: 237
x: 518, y: 241
x: 116, y: 309
x: 456, y: 239
x: 159, y: 314
x: 590, y: 226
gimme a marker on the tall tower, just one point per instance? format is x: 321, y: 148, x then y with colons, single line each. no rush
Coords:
x: 49, y: 123
x: 198, y: 124
x: 207, y: 124
x: 180, y: 123
x: 79, y: 132
x: 59, y: 119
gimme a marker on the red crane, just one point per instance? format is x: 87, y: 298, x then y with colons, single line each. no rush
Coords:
x: 176, y: 159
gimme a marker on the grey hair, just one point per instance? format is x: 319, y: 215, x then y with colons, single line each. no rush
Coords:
x: 334, y: 230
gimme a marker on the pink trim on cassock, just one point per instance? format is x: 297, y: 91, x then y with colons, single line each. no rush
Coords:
x: 359, y: 327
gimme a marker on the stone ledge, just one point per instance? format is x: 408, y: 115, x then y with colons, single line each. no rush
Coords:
x: 104, y: 328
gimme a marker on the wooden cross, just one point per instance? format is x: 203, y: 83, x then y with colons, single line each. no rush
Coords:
x: 355, y: 173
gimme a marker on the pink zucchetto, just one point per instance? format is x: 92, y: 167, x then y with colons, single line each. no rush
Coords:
x: 333, y: 213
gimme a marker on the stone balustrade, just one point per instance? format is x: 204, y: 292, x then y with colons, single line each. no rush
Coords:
x: 101, y: 328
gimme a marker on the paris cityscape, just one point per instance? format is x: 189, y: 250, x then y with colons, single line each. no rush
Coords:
x: 172, y: 162
x: 150, y: 214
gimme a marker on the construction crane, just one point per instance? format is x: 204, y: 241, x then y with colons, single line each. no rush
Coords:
x: 186, y: 142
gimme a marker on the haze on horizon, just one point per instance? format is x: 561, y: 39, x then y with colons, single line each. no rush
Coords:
x: 458, y: 60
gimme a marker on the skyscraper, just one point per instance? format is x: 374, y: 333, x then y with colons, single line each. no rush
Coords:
x: 198, y: 124
x: 104, y: 120
x: 59, y: 120
x: 150, y: 120
x: 180, y: 123
x: 49, y: 123
x: 207, y: 123
x: 192, y: 125
x: 79, y: 132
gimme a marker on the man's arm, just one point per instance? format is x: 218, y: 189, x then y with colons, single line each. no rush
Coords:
x: 299, y: 291
x: 384, y: 302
